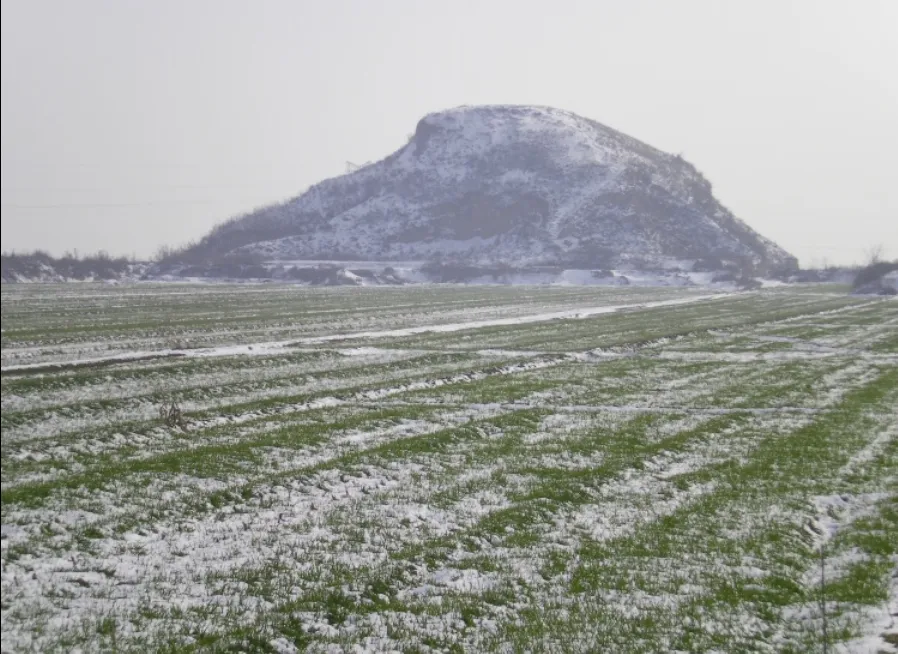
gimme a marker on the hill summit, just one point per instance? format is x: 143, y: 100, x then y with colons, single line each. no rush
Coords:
x: 516, y: 185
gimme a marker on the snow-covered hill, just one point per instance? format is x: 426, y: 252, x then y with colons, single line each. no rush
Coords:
x: 519, y: 185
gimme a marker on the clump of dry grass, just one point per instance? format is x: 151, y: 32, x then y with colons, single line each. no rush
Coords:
x: 170, y: 414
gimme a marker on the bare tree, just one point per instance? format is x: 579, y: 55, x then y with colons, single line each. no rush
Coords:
x: 873, y: 255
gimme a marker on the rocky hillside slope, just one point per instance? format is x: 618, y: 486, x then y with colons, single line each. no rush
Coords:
x: 518, y: 185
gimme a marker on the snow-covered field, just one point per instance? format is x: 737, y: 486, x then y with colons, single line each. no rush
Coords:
x: 448, y: 469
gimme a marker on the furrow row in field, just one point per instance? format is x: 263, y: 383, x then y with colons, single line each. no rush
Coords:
x: 495, y: 561
x: 646, y: 478
x: 642, y: 389
x: 447, y: 578
x: 353, y: 395
x: 710, y: 564
x: 99, y: 387
x: 307, y: 515
x: 624, y: 328
x: 25, y: 427
x: 260, y: 325
x: 444, y: 326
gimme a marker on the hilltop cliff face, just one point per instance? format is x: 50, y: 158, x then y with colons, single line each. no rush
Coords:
x: 512, y: 184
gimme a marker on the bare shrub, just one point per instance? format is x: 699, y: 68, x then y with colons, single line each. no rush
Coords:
x: 871, y: 274
x: 170, y: 414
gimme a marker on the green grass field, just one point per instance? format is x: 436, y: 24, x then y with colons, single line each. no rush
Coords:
x: 448, y: 469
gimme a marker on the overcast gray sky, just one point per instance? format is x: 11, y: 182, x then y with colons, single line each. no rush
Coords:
x: 127, y: 124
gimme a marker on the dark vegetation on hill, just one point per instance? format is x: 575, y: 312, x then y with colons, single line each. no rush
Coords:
x: 869, y: 279
x: 186, y: 261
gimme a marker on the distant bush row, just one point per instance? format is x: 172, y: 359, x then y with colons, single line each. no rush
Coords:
x: 46, y: 257
x: 873, y: 273
x: 40, y: 264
